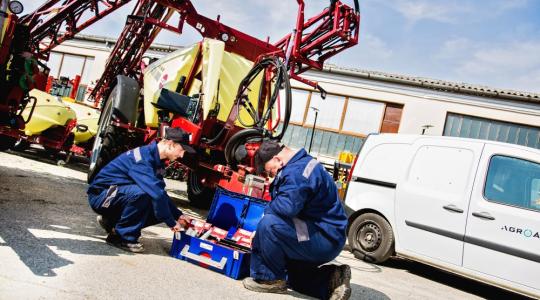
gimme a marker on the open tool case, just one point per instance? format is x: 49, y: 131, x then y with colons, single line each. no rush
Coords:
x: 230, y: 212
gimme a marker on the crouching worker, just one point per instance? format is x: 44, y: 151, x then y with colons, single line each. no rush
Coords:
x: 303, y: 228
x: 129, y: 192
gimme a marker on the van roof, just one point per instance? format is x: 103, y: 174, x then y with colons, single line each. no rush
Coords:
x: 411, y: 138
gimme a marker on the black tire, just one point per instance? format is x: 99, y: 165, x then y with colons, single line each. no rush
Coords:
x: 6, y: 142
x: 106, y: 142
x: 51, y: 152
x: 371, y: 238
x: 21, y: 145
x: 238, y: 139
x: 110, y: 148
x: 199, y: 196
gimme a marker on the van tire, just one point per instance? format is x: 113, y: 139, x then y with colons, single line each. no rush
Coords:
x: 371, y: 238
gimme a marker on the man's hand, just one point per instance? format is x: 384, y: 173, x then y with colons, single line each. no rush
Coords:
x: 177, y: 227
x: 181, y: 224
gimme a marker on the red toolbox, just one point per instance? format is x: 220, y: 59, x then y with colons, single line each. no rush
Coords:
x: 230, y: 256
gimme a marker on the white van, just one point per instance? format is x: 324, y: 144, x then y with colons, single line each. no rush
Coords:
x: 468, y: 206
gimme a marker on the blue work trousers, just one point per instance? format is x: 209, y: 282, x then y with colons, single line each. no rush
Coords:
x: 277, y: 254
x: 130, y: 210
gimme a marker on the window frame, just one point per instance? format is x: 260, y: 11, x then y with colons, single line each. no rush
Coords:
x: 486, y: 177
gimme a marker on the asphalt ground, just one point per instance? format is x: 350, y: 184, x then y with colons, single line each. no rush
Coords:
x: 52, y: 248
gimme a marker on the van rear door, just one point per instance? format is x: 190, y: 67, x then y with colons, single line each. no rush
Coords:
x: 503, y: 227
x: 433, y: 198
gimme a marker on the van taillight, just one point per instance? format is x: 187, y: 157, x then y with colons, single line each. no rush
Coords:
x: 352, y: 168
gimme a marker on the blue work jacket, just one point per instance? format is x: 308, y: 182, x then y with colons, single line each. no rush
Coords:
x: 304, y: 192
x: 143, y: 167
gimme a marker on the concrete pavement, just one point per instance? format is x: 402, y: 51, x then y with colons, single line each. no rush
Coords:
x: 52, y: 248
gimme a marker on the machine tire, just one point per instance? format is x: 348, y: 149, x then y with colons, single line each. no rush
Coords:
x: 21, y: 145
x: 6, y: 142
x: 238, y: 139
x: 110, y: 148
x: 371, y: 238
x: 199, y: 196
x: 106, y: 141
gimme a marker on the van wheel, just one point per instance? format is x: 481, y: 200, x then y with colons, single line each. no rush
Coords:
x: 371, y: 238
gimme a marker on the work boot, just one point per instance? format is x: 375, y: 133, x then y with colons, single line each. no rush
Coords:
x: 339, y: 286
x: 265, y: 286
x: 114, y: 239
x: 104, y: 223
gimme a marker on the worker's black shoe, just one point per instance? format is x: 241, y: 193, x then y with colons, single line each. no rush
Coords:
x: 104, y: 223
x: 340, y: 283
x: 265, y: 286
x: 115, y: 240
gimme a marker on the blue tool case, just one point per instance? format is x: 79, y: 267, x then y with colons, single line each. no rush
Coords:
x: 229, y: 211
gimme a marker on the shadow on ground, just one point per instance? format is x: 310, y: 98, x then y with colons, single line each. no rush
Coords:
x: 76, y: 163
x: 35, y: 220
x: 461, y: 283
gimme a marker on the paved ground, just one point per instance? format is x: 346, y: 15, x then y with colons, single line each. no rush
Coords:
x: 51, y: 248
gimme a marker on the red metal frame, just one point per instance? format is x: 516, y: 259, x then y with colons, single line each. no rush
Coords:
x: 311, y: 43
x: 59, y: 20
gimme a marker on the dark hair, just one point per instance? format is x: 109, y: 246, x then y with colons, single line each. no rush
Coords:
x: 267, y: 150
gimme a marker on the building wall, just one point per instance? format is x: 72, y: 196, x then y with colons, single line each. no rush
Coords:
x: 428, y: 107
x: 356, y: 106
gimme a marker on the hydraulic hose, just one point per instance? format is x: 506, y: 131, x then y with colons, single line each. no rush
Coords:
x: 282, y: 81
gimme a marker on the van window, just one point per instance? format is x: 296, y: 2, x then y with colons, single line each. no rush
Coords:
x: 513, y: 181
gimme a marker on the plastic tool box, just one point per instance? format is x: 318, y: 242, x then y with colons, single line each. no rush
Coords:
x: 229, y: 211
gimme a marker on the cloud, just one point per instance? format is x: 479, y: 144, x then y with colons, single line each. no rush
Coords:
x: 376, y: 48
x: 434, y: 10
x: 453, y: 11
x: 512, y: 65
x: 509, y: 58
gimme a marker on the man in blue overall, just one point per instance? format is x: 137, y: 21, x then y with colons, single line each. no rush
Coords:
x: 129, y: 192
x: 303, y: 228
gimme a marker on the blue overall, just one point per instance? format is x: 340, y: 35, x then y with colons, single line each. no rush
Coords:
x: 130, y: 192
x: 303, y: 227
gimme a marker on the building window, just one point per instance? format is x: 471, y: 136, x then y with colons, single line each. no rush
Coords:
x: 299, y: 101
x: 330, y: 111
x: 363, y: 117
x: 325, y: 143
x: 342, y: 122
x: 66, y: 67
x: 487, y: 129
x: 514, y: 182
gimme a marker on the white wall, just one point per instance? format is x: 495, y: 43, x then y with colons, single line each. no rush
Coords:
x: 428, y: 107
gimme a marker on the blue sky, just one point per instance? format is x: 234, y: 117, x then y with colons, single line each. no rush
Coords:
x: 487, y: 42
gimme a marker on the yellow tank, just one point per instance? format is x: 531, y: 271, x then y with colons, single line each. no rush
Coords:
x: 218, y: 68
x: 50, y: 111
x: 86, y: 115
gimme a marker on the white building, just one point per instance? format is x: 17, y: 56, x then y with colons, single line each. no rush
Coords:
x: 361, y: 102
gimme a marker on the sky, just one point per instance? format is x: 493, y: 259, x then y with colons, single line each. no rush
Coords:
x: 495, y: 43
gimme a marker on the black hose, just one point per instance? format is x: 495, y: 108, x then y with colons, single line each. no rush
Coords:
x: 282, y: 79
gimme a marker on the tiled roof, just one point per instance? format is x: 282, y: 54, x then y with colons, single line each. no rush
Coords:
x: 435, y: 84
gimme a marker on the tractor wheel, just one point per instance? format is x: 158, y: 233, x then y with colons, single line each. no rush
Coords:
x: 371, y: 238
x: 6, y: 142
x: 199, y: 196
x: 106, y: 142
x: 21, y: 145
